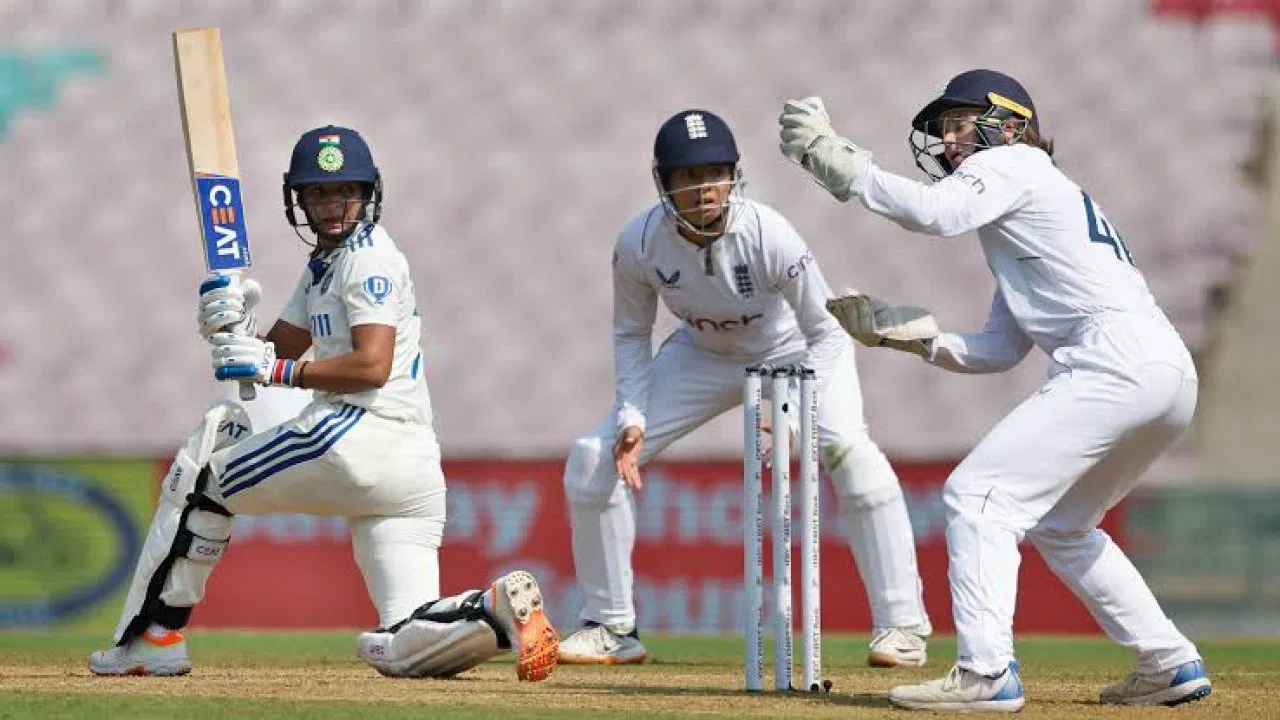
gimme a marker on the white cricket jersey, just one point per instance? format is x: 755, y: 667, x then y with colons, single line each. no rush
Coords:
x: 755, y: 293
x: 365, y: 281
x: 1056, y: 259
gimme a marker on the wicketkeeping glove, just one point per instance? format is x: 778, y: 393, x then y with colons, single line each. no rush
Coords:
x: 875, y: 323
x: 808, y: 139
x: 238, y: 357
x: 227, y: 303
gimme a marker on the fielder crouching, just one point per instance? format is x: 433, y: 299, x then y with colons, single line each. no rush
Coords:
x: 364, y: 448
x: 747, y: 290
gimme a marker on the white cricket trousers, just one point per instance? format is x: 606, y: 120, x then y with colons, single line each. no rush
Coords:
x: 688, y: 387
x: 1117, y: 398
x: 334, y: 459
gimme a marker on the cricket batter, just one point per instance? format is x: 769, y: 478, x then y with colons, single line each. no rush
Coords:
x: 748, y: 290
x: 1121, y: 388
x: 363, y: 448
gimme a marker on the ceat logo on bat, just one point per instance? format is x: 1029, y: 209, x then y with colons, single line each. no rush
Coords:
x: 226, y: 244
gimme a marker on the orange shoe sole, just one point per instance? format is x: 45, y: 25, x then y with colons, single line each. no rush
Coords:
x: 539, y: 644
x: 539, y: 649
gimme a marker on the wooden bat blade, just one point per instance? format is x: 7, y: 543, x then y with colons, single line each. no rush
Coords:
x: 205, y: 103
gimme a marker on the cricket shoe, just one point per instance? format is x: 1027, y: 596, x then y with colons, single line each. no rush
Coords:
x: 150, y: 654
x: 375, y: 649
x: 897, y: 647
x: 1186, y: 683
x: 515, y: 603
x: 964, y: 691
x: 596, y: 644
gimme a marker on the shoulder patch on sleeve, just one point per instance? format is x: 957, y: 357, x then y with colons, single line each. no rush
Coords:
x: 378, y: 288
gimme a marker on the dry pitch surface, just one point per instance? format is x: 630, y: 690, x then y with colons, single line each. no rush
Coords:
x: 314, y: 675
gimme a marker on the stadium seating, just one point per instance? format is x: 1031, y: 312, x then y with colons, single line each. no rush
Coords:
x: 514, y: 137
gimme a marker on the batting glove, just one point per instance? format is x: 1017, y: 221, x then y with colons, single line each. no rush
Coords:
x: 809, y: 140
x: 874, y: 323
x: 238, y: 357
x: 226, y: 305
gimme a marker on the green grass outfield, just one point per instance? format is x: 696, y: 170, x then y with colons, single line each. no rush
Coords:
x: 249, y: 675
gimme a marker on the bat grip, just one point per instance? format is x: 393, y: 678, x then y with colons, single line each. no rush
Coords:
x: 248, y: 390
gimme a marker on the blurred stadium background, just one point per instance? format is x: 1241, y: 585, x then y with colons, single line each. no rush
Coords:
x: 514, y: 140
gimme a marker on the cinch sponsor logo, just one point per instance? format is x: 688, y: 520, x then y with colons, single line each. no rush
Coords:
x: 730, y: 325
x: 800, y: 265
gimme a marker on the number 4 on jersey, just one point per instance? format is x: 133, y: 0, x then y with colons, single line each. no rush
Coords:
x: 1101, y: 231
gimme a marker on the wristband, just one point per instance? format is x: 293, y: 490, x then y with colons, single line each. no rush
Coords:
x: 283, y: 373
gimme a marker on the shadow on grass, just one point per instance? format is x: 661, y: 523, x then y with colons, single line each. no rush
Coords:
x: 866, y: 700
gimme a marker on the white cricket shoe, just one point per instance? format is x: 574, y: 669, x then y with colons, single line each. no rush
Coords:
x: 964, y: 691
x: 375, y: 648
x: 897, y: 647
x: 147, y: 655
x: 515, y: 602
x: 1186, y: 683
x: 598, y: 645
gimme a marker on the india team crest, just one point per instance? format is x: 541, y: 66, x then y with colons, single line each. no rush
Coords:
x: 330, y: 159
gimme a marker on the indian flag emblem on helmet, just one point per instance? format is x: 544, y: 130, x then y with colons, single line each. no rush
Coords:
x: 330, y: 158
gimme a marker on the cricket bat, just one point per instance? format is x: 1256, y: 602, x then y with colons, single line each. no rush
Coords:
x: 211, y: 154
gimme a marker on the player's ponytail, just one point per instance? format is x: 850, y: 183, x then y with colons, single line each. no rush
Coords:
x: 1031, y: 137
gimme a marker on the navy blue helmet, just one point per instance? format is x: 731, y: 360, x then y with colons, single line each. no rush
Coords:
x: 692, y: 138
x: 1001, y: 100
x: 332, y: 154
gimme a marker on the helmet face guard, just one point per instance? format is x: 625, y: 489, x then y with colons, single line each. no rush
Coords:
x: 728, y: 208
x: 1003, y: 114
x: 929, y: 148
x: 372, y: 202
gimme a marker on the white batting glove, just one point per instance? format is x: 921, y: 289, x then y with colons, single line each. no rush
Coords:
x: 808, y: 139
x: 238, y: 357
x: 227, y: 303
x: 874, y: 323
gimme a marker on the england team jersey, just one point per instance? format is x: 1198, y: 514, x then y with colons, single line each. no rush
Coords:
x: 753, y: 294
x: 365, y: 281
x: 1056, y: 259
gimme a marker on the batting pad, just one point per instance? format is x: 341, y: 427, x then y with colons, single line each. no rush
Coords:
x: 426, y: 648
x: 188, y: 532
